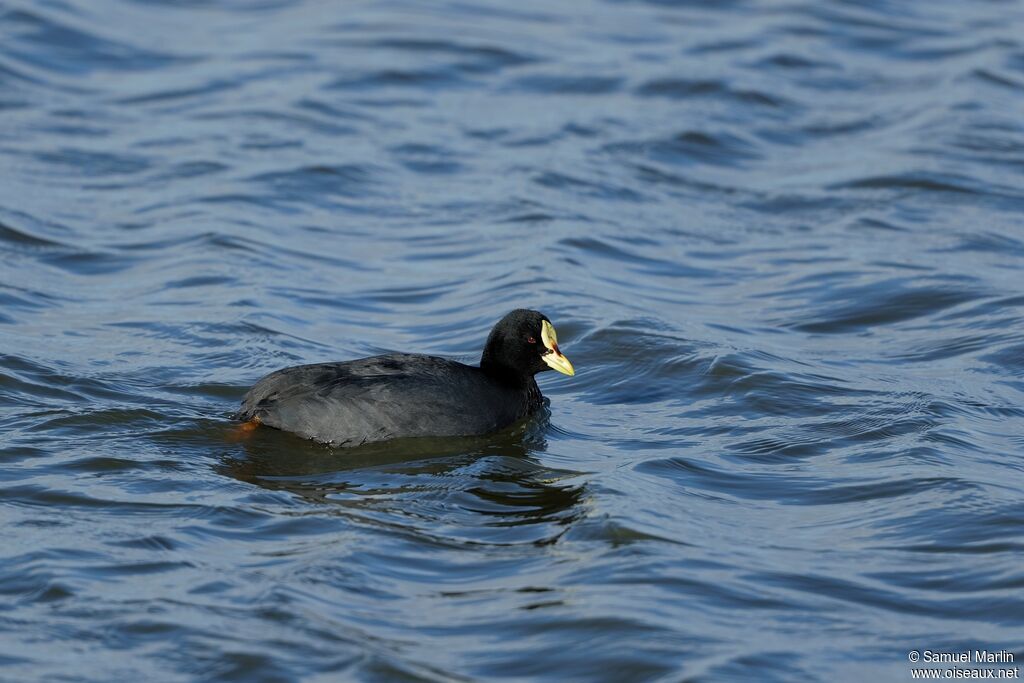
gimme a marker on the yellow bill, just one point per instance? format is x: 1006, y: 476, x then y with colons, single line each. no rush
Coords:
x: 554, y: 358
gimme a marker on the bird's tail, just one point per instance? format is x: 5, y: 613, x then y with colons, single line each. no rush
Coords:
x: 243, y: 431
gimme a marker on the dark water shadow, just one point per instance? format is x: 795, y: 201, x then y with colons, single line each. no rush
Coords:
x: 273, y: 453
x: 490, y: 489
x: 274, y: 459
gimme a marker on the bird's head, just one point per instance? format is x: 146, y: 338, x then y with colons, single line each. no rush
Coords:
x: 524, y: 343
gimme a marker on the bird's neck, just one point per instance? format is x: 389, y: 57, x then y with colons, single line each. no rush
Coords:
x: 502, y: 373
x: 533, y: 395
x: 511, y: 377
x: 524, y: 385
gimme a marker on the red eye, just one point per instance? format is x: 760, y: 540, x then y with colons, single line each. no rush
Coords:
x: 531, y: 340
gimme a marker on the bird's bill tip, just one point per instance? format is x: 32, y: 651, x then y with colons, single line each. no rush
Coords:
x: 556, y: 361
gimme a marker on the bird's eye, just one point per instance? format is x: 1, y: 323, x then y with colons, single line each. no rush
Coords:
x: 531, y: 340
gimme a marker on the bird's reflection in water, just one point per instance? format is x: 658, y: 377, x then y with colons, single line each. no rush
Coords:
x: 485, y: 484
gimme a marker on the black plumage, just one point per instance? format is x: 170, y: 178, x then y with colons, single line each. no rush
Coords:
x: 408, y: 395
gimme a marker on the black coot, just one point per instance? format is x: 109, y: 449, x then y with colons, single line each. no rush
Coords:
x: 405, y: 395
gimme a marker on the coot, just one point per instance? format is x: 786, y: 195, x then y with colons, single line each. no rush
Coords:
x: 406, y: 395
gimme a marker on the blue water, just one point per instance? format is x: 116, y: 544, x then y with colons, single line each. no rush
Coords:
x: 781, y: 242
